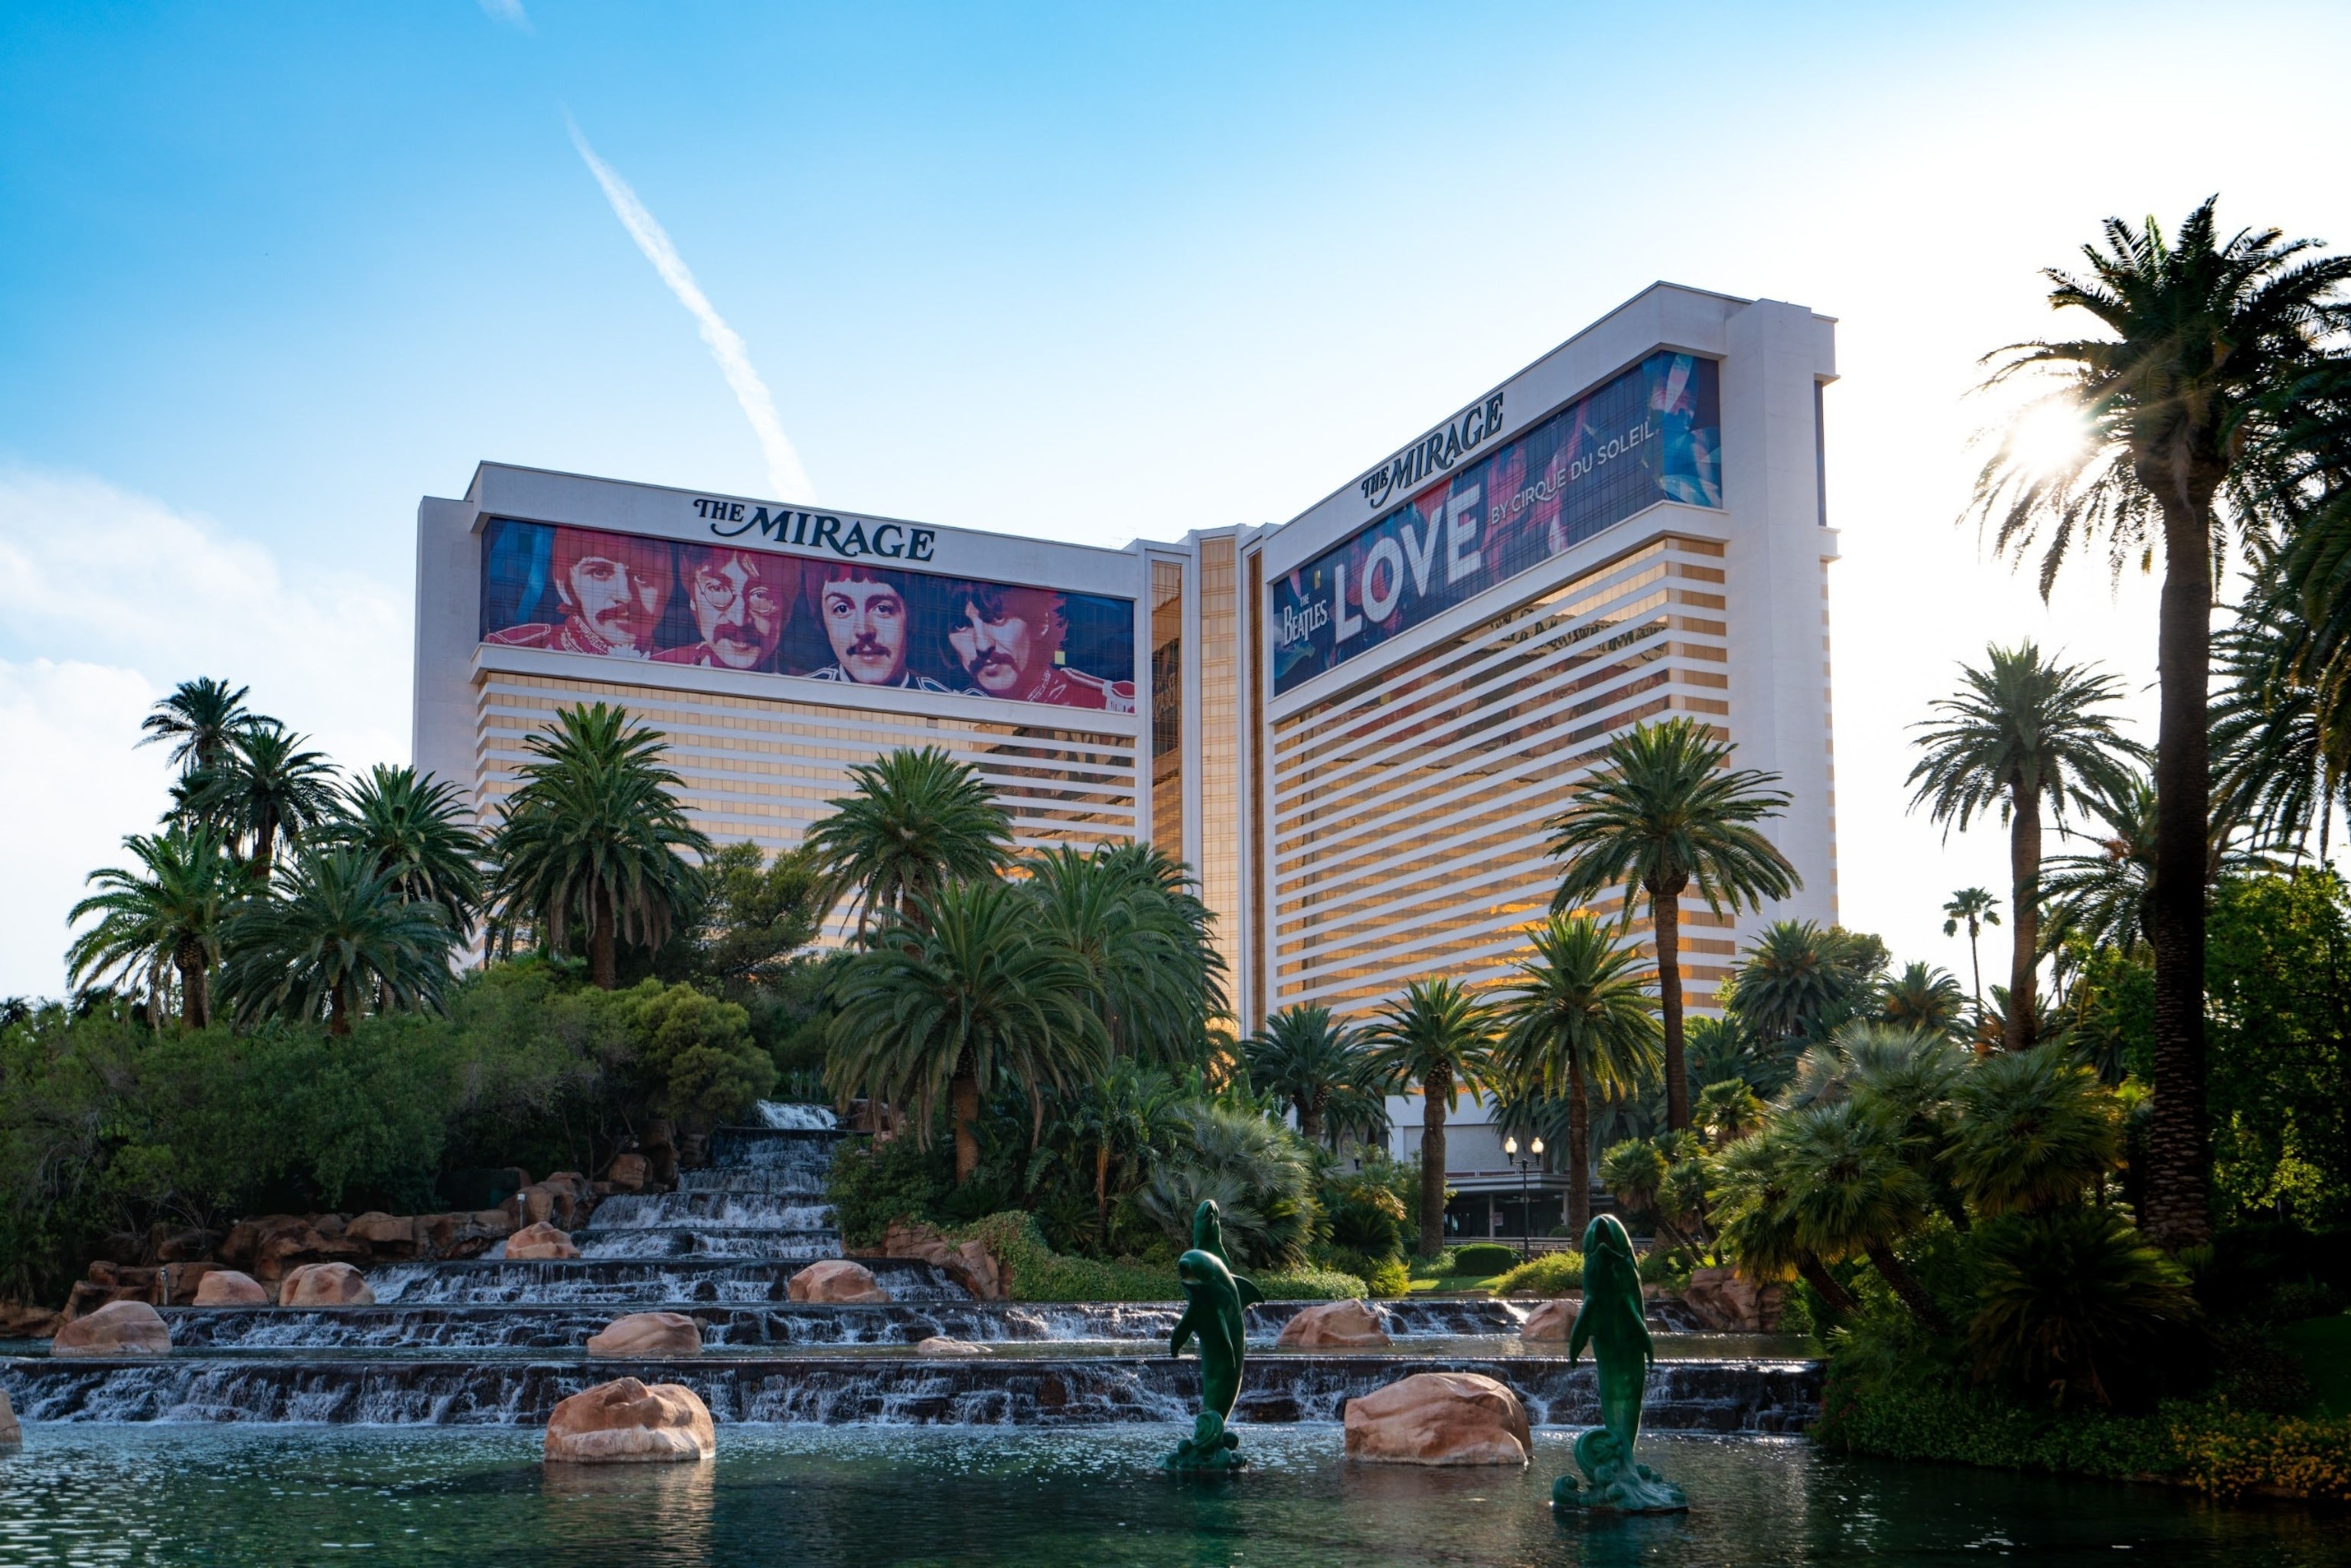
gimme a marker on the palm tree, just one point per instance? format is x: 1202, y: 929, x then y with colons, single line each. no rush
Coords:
x: 1302, y: 1055
x: 2035, y: 1131
x: 200, y: 719
x: 593, y: 836
x: 2204, y: 335
x: 413, y: 826
x: 1157, y: 978
x: 1578, y: 1015
x: 1923, y: 999
x: 1756, y: 1222
x: 1800, y: 980
x: 963, y: 993
x: 1665, y: 810
x: 2281, y: 734
x: 1123, y: 1116
x: 2104, y: 897
x: 1850, y: 1193
x: 916, y: 820
x: 1975, y: 908
x: 334, y: 932
x: 2023, y: 731
x: 162, y: 918
x: 266, y: 786
x: 1438, y: 1037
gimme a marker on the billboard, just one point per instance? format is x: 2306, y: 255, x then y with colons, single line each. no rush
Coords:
x: 621, y: 596
x: 1652, y: 433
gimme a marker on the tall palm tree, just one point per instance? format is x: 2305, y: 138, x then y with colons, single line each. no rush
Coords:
x: 1438, y: 1037
x: 594, y: 836
x: 1579, y: 1016
x: 2203, y: 335
x: 1303, y: 1054
x: 334, y: 932
x: 916, y: 820
x: 1665, y: 810
x: 961, y: 995
x: 1156, y: 977
x: 266, y: 787
x: 2103, y: 897
x: 1975, y: 908
x: 164, y: 917
x: 199, y: 720
x: 2024, y: 731
x: 414, y: 827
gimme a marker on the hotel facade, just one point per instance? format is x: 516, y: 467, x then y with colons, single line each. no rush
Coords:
x: 1353, y: 725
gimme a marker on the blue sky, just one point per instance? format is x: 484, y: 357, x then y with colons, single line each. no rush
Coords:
x: 269, y: 273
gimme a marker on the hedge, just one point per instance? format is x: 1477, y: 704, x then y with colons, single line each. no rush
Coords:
x: 1042, y: 1274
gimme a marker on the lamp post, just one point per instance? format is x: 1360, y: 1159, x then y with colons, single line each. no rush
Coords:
x: 1533, y: 1158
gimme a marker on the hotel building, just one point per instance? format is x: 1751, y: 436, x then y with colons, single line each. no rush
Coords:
x: 1353, y: 725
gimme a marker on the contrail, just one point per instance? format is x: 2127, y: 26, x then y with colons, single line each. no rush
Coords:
x: 785, y: 475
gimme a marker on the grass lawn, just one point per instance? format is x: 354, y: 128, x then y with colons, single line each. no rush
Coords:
x: 2324, y: 1346
x: 1453, y: 1284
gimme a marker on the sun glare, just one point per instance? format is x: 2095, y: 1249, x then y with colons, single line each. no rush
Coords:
x: 2047, y: 437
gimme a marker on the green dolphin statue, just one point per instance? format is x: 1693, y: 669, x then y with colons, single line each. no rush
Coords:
x: 1614, y: 1323
x: 1215, y: 1300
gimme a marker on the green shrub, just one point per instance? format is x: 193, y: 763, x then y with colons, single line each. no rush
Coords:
x: 1364, y: 1214
x: 1552, y: 1275
x: 871, y: 1187
x: 1388, y: 1278
x: 1040, y: 1274
x: 2069, y: 1304
x: 1482, y: 1258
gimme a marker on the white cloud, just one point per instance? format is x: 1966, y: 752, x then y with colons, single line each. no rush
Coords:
x: 510, y: 12
x: 108, y: 599
x: 785, y: 475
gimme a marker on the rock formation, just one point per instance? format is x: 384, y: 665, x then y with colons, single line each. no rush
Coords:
x: 624, y: 1421
x: 1439, y: 1419
x: 1554, y: 1320
x: 539, y: 1240
x: 1334, y: 1325
x: 1727, y: 1301
x: 970, y: 1265
x: 648, y: 1334
x: 118, y: 1328
x: 325, y: 1285
x: 11, y: 1434
x: 939, y: 1344
x: 227, y: 1288
x: 836, y: 1280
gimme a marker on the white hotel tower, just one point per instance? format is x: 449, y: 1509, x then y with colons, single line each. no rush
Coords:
x: 1353, y: 725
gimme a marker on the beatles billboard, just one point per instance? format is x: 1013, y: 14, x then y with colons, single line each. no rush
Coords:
x: 1652, y: 433
x: 723, y: 606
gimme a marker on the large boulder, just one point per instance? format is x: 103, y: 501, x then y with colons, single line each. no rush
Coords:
x: 939, y: 1344
x: 11, y: 1434
x: 118, y: 1328
x: 390, y: 1234
x: 228, y: 1287
x: 648, y: 1334
x: 1334, y: 1325
x: 1553, y: 1319
x: 325, y: 1285
x: 541, y: 1240
x: 1439, y: 1419
x: 971, y: 1264
x: 624, y: 1421
x: 1727, y: 1301
x: 628, y: 1172
x: 838, y: 1281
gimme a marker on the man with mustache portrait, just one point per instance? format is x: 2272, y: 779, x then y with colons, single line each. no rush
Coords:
x: 611, y: 590
x: 741, y: 601
x: 1009, y: 642
x: 864, y: 612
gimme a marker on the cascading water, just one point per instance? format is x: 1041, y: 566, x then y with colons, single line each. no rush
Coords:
x: 498, y: 1341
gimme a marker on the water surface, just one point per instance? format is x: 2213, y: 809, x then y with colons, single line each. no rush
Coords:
x: 902, y: 1496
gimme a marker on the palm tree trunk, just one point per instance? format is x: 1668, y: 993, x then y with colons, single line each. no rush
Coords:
x: 264, y: 846
x: 964, y: 1095
x: 1435, y: 1089
x: 1310, y: 1117
x: 1906, y: 1285
x: 1579, y: 1149
x: 2025, y: 911
x: 2178, y: 1206
x: 338, y: 1011
x: 1975, y: 963
x: 1817, y: 1276
x: 1665, y: 925
x: 195, y: 999
x: 603, y: 963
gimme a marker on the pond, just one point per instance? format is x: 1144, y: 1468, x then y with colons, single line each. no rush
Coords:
x: 868, y: 1495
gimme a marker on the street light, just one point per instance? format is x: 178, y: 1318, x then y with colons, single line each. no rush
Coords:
x: 1526, y: 1218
